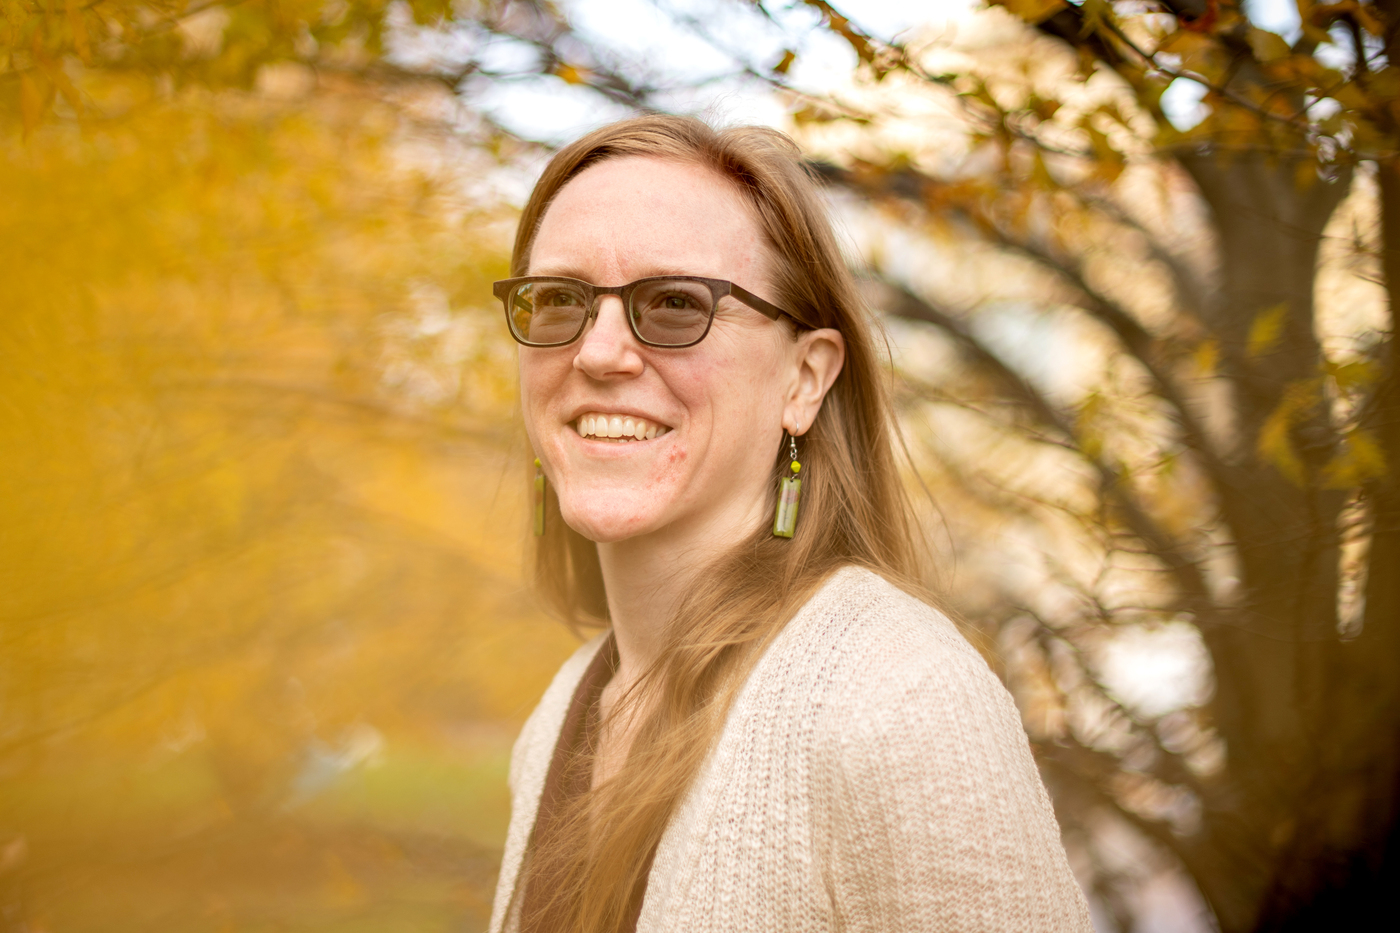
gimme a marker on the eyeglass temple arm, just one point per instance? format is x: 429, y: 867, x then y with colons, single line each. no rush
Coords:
x: 757, y: 303
x: 500, y: 289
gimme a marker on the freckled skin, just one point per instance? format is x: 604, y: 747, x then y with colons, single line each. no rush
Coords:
x: 705, y: 482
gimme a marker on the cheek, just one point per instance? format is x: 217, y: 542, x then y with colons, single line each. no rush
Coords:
x: 540, y: 378
x: 541, y: 372
x: 738, y: 387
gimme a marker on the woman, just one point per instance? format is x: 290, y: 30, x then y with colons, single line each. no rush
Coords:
x: 774, y: 733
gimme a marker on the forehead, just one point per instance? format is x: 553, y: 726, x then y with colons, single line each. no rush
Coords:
x: 640, y: 215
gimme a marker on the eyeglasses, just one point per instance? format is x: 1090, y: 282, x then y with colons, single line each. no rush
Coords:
x: 663, y: 310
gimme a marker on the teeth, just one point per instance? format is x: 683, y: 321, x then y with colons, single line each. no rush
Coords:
x: 622, y: 427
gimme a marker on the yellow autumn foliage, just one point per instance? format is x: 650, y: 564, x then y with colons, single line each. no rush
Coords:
x: 1266, y: 330
x: 1276, y: 446
x: 265, y: 637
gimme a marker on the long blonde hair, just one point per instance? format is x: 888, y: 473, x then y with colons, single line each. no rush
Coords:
x: 855, y: 511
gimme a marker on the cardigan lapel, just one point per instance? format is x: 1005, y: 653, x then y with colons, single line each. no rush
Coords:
x: 529, y: 765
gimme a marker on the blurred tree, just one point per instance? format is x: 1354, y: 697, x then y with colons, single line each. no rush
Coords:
x: 1248, y: 452
x: 1224, y: 462
x: 254, y: 440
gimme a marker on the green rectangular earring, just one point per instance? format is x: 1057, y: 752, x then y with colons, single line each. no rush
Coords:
x: 539, y: 499
x: 789, y: 495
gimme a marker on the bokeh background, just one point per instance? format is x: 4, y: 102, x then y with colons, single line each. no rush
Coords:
x: 265, y: 640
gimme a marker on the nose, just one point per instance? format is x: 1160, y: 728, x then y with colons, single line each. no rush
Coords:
x: 607, y: 349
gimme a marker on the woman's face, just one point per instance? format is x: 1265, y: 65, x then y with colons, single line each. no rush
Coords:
x: 717, y: 408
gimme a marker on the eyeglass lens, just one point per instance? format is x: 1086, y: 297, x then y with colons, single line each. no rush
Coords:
x: 662, y: 312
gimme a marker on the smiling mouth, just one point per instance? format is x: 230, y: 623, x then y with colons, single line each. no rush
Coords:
x: 618, y: 428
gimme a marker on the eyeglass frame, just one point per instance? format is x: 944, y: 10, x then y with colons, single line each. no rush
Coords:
x: 719, y: 288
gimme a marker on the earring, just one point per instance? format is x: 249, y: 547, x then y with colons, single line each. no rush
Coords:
x: 539, y: 499
x: 789, y: 492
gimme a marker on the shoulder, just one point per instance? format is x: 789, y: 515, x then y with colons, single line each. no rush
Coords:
x: 876, y: 642
x: 920, y: 774
x: 877, y: 608
x: 888, y: 681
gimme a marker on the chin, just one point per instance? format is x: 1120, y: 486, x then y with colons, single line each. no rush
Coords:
x: 603, y: 525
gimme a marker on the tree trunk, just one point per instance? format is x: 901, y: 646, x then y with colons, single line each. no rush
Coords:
x: 1341, y: 866
x: 1272, y: 648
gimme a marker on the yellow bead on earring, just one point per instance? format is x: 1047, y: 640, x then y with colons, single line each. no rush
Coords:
x: 539, y: 499
x: 789, y: 495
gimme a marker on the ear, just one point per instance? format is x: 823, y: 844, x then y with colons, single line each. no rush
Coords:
x: 817, y: 357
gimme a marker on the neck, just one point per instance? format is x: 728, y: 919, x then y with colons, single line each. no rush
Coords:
x: 644, y: 589
x: 647, y: 576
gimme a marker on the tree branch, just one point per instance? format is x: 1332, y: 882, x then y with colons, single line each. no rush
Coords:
x: 1071, y: 762
x: 1176, y: 771
x: 906, y: 304
x: 1135, y: 338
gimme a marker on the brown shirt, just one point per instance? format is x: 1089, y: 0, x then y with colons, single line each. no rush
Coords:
x: 571, y: 776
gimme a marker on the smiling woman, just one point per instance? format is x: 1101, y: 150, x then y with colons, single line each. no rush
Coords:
x: 777, y: 729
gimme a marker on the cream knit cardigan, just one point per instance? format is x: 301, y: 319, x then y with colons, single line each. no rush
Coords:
x: 872, y: 774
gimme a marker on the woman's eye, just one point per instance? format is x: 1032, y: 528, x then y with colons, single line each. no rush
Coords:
x: 556, y: 298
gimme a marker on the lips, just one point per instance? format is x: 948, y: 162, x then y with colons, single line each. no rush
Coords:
x: 606, y: 426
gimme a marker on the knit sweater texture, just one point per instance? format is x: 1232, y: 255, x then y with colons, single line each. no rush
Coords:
x: 871, y: 775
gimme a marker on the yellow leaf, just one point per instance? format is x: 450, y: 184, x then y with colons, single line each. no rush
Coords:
x: 78, y: 28
x: 35, y: 98
x: 789, y: 56
x: 1207, y: 357
x: 1094, y: 12
x: 1276, y: 448
x: 1359, y: 460
x: 1110, y: 162
x: 980, y: 93
x: 1275, y: 442
x: 1040, y: 175
x: 572, y: 75
x: 1369, y: 21
x: 1356, y: 374
x: 1266, y: 330
x: 1351, y: 97
x: 1268, y: 46
x: 1032, y: 11
x: 1366, y: 136
x: 1383, y: 85
x: 1041, y: 107
x: 1185, y: 43
x: 857, y: 40
x: 812, y: 113
x: 1090, y: 438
